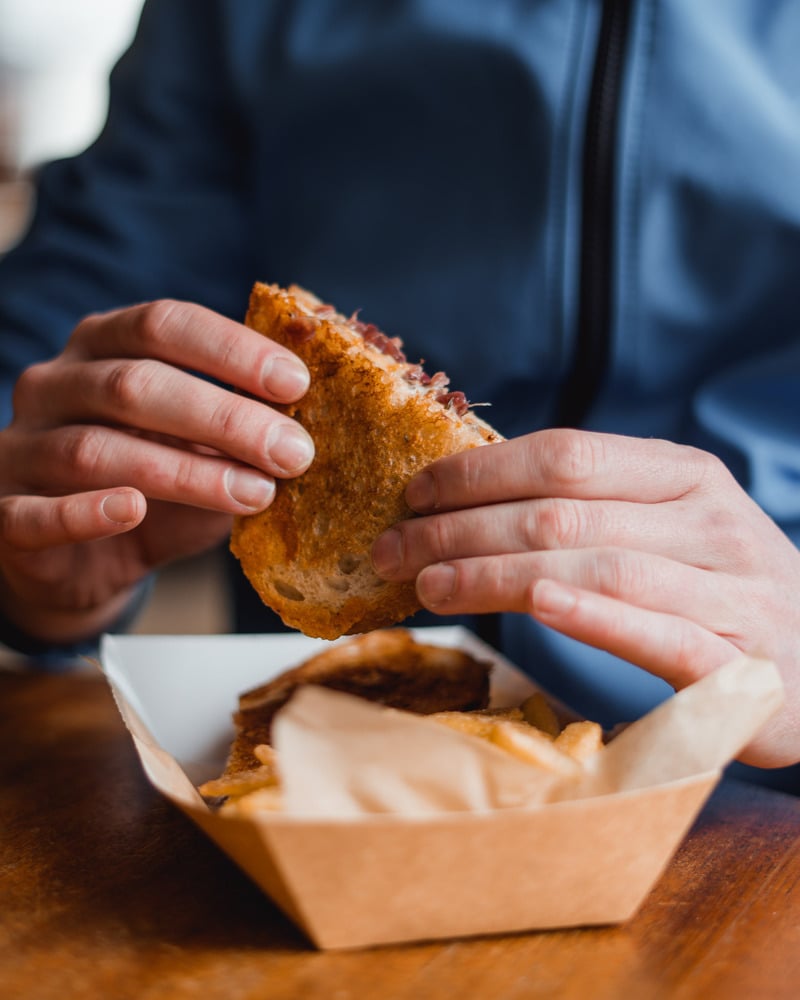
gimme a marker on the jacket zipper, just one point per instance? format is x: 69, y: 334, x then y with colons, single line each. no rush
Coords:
x: 597, y: 219
x: 594, y: 312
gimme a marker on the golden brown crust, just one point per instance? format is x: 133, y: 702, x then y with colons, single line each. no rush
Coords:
x: 385, y: 666
x: 308, y: 554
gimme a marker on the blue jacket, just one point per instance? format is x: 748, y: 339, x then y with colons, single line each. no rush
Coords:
x: 585, y: 213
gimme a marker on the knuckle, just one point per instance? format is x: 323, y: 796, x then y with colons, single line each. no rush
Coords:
x: 705, y: 469
x: 727, y: 527
x: 469, y: 465
x: 622, y: 574
x: 127, y: 382
x: 730, y: 541
x: 570, y: 456
x: 82, y: 451
x: 553, y: 524
x: 157, y: 321
x: 87, y: 328
x: 64, y: 522
x: 184, y: 476
x: 227, y: 421
x: 437, y: 537
x: 493, y: 579
x: 29, y: 386
x: 229, y: 355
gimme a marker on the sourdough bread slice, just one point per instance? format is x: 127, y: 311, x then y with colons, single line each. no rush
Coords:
x: 376, y: 421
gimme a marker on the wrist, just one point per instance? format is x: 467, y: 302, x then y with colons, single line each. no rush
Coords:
x: 58, y: 635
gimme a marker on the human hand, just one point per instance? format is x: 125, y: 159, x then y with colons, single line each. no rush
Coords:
x: 120, y: 459
x: 644, y: 548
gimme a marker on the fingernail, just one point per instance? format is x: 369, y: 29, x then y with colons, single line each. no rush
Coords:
x: 387, y: 553
x: 249, y: 489
x: 285, y: 377
x: 552, y: 598
x: 290, y: 447
x: 435, y: 584
x: 421, y: 492
x: 121, y: 508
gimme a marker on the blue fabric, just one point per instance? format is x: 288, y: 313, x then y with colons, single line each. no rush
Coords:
x: 420, y: 160
x: 64, y: 657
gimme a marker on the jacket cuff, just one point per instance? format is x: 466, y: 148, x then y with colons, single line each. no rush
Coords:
x: 60, y: 656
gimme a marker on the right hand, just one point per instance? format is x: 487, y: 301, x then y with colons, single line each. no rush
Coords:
x: 119, y: 458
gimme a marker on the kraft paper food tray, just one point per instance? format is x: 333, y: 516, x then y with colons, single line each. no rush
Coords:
x: 383, y: 878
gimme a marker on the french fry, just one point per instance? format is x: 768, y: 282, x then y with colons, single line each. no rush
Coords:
x: 262, y: 800
x: 530, y: 744
x: 472, y: 723
x: 513, y: 713
x: 580, y: 740
x: 264, y: 776
x: 538, y: 711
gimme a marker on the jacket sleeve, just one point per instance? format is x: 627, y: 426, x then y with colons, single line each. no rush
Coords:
x: 154, y: 208
x: 749, y: 414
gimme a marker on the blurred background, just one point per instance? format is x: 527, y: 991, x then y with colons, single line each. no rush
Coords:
x: 55, y: 58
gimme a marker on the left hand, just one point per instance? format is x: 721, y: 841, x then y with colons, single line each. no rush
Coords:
x: 644, y: 548
x: 121, y: 459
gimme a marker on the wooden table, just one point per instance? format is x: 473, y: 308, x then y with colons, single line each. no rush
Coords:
x: 107, y: 891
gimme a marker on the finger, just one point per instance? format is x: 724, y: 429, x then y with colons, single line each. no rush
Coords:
x: 560, y: 463
x: 189, y: 335
x: 34, y: 523
x: 78, y: 459
x: 502, y: 583
x: 675, y: 648
x: 668, y: 646
x: 530, y: 526
x: 151, y: 396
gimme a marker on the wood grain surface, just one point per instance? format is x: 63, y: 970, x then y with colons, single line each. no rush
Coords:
x: 107, y: 891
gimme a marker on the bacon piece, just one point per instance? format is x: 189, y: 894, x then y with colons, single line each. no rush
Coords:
x: 391, y: 346
x: 416, y: 373
x: 301, y: 328
x: 376, y: 338
x: 454, y: 401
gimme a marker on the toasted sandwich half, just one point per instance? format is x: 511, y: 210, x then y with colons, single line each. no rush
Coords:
x: 387, y: 666
x: 376, y: 420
